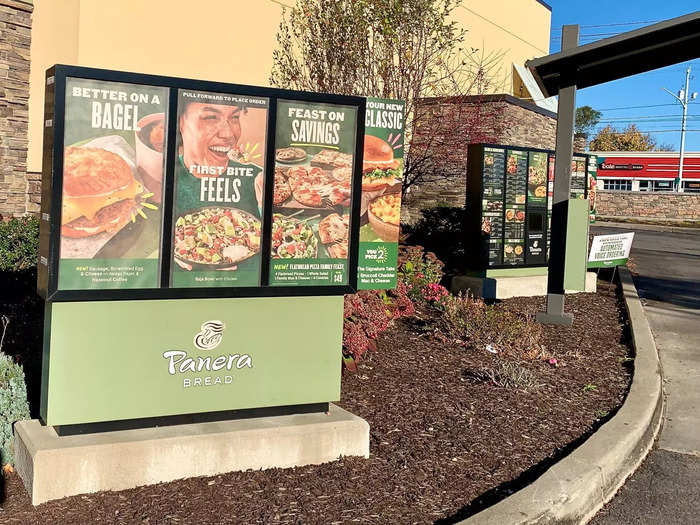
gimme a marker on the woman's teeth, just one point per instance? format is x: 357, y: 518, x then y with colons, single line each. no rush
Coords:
x: 220, y: 149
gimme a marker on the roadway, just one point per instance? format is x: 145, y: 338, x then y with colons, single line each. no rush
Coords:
x: 666, y: 488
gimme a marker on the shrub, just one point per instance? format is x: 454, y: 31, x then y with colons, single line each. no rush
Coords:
x: 479, y: 325
x: 504, y: 373
x: 417, y: 269
x: 435, y: 295
x: 19, y: 243
x: 13, y: 404
x: 440, y: 230
x: 367, y: 314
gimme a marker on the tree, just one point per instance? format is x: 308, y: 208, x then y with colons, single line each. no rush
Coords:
x: 408, y: 50
x: 629, y: 139
x: 586, y: 119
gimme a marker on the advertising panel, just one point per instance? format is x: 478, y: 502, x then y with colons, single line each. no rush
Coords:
x: 113, y: 165
x: 592, y: 186
x: 314, y: 159
x: 180, y: 218
x: 219, y: 188
x: 380, y: 210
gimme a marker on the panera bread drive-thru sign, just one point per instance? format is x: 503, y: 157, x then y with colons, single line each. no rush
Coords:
x: 197, y: 239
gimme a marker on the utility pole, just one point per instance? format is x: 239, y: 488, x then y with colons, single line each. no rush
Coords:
x: 682, y: 97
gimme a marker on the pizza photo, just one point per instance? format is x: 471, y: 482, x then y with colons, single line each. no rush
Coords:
x: 290, y: 155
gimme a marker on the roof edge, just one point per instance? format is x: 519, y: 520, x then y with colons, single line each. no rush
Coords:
x: 501, y: 97
x: 545, y: 4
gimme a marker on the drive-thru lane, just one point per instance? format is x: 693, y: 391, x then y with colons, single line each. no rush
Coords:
x: 666, y: 488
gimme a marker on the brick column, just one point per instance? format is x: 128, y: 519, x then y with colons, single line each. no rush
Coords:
x: 15, y: 37
x: 580, y: 140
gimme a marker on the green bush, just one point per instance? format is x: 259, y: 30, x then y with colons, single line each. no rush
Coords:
x: 416, y: 269
x: 13, y: 404
x: 441, y: 231
x: 19, y: 243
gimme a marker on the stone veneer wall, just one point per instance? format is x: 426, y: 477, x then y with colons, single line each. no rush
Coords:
x: 679, y: 206
x: 18, y: 192
x: 506, y: 120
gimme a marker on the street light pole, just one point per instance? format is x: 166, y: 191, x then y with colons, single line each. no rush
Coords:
x: 682, y: 97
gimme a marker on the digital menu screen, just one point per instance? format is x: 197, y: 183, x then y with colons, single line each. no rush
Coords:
x: 314, y: 157
x: 113, y: 165
x: 492, y: 203
x: 516, y: 193
x: 537, y: 179
x: 219, y: 184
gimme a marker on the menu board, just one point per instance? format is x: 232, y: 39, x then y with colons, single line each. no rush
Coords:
x: 492, y: 203
x: 516, y: 191
x: 380, y: 210
x: 219, y: 185
x: 314, y: 157
x: 537, y: 179
x: 578, y: 178
x: 113, y: 164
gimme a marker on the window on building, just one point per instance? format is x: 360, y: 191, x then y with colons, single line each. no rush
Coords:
x: 691, y: 186
x: 617, y: 184
x: 663, y: 185
x: 644, y: 185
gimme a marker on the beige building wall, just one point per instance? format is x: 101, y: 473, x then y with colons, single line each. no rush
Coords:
x: 515, y: 30
x: 224, y: 40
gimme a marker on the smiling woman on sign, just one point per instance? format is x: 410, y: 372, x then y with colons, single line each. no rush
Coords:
x: 219, y: 189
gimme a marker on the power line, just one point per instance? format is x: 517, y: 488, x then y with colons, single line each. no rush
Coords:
x: 588, y: 35
x: 620, y: 24
x: 638, y: 107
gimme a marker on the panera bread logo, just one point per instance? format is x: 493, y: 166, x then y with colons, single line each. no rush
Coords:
x: 208, y: 338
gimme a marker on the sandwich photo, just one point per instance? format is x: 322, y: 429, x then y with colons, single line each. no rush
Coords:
x: 99, y: 192
x: 379, y: 167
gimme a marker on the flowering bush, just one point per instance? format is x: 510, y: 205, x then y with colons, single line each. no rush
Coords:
x: 435, y: 295
x: 416, y: 269
x: 367, y: 314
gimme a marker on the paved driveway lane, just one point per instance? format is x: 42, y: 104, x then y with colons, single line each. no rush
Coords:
x: 666, y: 488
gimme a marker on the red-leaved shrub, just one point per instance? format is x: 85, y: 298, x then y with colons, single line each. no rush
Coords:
x: 367, y: 314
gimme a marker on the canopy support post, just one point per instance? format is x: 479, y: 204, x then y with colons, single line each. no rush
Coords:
x: 560, y: 201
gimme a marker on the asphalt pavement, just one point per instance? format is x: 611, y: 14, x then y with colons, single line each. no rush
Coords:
x: 666, y: 487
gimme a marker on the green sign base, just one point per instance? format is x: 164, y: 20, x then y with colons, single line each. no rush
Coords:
x: 116, y: 360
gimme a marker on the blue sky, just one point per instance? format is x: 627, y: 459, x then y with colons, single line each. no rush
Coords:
x: 595, y: 18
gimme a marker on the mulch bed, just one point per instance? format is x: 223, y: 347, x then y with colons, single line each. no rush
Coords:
x: 443, y: 444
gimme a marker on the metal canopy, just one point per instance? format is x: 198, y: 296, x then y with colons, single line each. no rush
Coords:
x: 659, y: 45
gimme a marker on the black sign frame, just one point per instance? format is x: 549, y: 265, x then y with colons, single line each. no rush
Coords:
x: 52, y: 188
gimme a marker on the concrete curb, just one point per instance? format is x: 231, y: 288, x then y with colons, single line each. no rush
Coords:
x: 647, y: 226
x: 574, y: 489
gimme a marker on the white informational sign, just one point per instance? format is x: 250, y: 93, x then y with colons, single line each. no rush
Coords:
x: 610, y: 250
